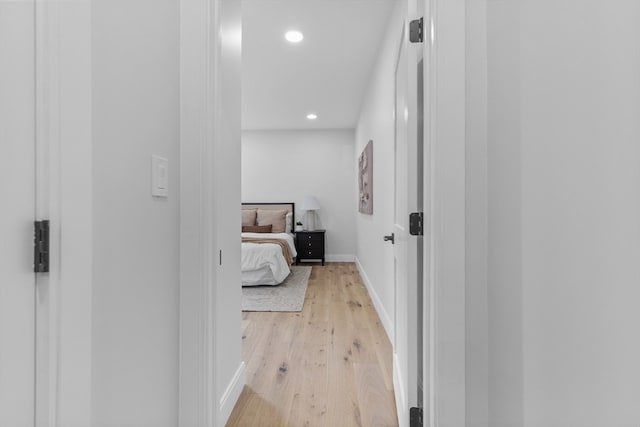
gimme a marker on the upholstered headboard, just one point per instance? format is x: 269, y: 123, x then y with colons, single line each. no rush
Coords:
x: 289, y: 207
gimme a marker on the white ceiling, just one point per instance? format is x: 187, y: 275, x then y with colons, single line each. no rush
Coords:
x: 326, y: 73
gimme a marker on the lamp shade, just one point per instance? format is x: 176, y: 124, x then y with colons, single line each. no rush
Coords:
x: 309, y: 203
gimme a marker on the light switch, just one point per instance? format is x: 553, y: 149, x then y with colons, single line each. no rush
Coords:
x: 159, y: 176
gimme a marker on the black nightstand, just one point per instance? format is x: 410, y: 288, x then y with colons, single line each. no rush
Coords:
x: 310, y: 245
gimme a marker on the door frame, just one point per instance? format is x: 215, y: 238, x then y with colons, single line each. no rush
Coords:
x: 198, y: 56
x: 64, y: 195
x: 210, y: 42
x: 444, y: 196
x: 418, y: 258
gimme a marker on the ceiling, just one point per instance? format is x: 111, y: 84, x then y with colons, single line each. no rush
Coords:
x: 326, y: 73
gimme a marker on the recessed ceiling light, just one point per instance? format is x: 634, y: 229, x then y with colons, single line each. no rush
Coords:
x: 294, y: 36
x: 312, y: 116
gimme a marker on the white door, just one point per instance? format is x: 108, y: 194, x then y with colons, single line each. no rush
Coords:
x: 17, y: 206
x: 401, y: 237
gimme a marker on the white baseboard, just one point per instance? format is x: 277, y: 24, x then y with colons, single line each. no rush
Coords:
x: 340, y: 258
x: 377, y: 303
x: 231, y: 394
x: 402, y: 408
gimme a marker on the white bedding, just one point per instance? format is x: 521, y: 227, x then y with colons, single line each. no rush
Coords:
x: 263, y: 263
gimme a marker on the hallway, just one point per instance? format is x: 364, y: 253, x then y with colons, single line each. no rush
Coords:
x: 329, y: 365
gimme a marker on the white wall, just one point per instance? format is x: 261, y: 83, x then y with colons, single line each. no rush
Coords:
x: 376, y: 123
x: 320, y: 163
x: 563, y: 212
x: 135, y: 237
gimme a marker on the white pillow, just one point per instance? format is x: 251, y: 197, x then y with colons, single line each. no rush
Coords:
x: 288, y: 222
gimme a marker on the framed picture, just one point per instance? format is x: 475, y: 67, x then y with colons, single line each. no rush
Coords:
x: 365, y: 180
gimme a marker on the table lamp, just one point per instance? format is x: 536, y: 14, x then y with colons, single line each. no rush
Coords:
x: 310, y: 204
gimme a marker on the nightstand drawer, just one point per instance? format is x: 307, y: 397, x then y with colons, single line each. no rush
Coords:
x: 310, y: 243
x: 311, y: 253
x: 311, y: 238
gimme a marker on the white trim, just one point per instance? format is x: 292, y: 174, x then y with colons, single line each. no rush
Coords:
x: 64, y: 132
x: 398, y: 392
x: 429, y: 327
x: 445, y: 192
x: 197, y: 387
x: 232, y: 393
x: 47, y: 207
x: 340, y: 258
x: 74, y: 393
x: 377, y: 302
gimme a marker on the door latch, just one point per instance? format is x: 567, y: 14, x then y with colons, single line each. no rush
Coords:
x: 391, y: 238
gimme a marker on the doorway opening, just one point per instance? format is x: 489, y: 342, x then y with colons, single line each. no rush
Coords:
x: 286, y: 127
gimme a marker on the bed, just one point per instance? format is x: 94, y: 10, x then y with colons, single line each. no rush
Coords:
x: 268, y: 247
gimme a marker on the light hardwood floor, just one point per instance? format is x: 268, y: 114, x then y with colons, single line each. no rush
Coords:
x: 329, y: 365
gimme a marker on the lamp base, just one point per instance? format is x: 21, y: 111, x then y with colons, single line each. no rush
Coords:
x: 311, y: 221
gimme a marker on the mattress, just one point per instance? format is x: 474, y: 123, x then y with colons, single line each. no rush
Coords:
x: 263, y: 263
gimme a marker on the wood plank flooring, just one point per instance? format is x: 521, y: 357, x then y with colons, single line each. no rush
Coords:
x: 329, y: 365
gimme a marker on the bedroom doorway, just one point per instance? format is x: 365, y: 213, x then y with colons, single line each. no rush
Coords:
x: 289, y: 142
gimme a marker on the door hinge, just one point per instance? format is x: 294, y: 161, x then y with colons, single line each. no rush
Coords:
x: 415, y: 417
x: 41, y: 247
x: 416, y: 224
x: 416, y: 31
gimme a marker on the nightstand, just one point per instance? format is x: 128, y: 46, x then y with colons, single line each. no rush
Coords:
x: 310, y: 245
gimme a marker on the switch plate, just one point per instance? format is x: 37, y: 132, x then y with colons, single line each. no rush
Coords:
x: 159, y: 176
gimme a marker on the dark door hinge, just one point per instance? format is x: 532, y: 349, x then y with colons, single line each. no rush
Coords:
x: 416, y: 31
x: 41, y: 247
x: 416, y: 220
x: 415, y: 417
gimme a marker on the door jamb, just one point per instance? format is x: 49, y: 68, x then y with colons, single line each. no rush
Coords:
x: 444, y: 193
x: 199, y: 57
x: 64, y: 195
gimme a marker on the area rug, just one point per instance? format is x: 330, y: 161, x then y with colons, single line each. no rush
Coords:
x: 287, y: 296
